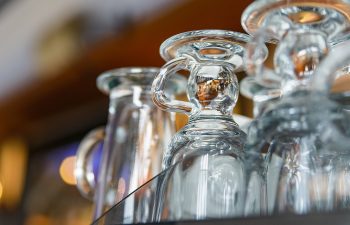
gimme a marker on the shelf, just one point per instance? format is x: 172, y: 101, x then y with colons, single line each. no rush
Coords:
x: 340, y: 218
x: 139, y: 207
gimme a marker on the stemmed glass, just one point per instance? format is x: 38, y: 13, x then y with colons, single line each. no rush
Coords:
x: 326, y: 76
x: 299, y: 166
x: 207, y: 175
x: 304, y: 31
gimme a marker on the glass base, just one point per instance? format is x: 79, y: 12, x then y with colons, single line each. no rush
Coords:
x: 213, y: 45
x: 328, y: 16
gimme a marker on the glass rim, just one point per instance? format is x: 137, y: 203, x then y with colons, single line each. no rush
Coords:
x: 112, y: 78
x: 142, y: 76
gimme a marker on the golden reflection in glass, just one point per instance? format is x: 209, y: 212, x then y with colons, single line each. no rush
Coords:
x: 212, y: 51
x: 305, y: 17
x: 181, y: 119
x: 341, y: 84
x: 67, y: 170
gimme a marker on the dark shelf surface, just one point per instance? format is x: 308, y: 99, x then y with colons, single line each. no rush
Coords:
x: 338, y: 218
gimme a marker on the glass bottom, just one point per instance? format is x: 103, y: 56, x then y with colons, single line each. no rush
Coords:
x: 213, y: 45
x: 329, y: 16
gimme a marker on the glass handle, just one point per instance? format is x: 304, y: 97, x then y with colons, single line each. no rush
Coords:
x: 257, y: 52
x: 326, y: 72
x: 158, y: 94
x: 84, y: 173
x: 255, y: 56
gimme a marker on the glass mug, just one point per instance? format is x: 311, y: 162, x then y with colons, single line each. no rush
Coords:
x: 302, y: 155
x: 330, y: 71
x: 206, y: 175
x: 304, y: 31
x: 305, y: 142
x: 136, y: 135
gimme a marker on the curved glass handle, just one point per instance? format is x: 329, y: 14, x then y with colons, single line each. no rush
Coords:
x: 257, y: 52
x: 255, y: 56
x: 326, y: 72
x: 158, y: 94
x: 84, y: 173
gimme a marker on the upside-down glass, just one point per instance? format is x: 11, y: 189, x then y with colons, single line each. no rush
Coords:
x: 305, y: 31
x: 327, y: 74
x: 299, y: 163
x: 207, y: 177
x: 307, y: 163
x: 137, y: 133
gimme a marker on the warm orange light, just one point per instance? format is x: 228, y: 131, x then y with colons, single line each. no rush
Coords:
x: 13, y: 164
x: 38, y: 219
x: 341, y: 84
x: 304, y: 17
x: 67, y: 170
x: 0, y: 190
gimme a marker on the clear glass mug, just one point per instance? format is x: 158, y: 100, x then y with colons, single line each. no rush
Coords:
x: 301, y: 160
x: 206, y: 176
x: 299, y: 164
x: 304, y: 31
x: 328, y: 73
x: 305, y: 142
x: 136, y: 136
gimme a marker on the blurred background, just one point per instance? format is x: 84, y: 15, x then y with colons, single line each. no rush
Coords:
x: 51, y: 53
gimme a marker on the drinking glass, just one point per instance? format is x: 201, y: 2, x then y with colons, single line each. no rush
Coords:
x: 207, y: 175
x: 307, y: 163
x: 327, y: 74
x: 136, y: 136
x: 304, y: 31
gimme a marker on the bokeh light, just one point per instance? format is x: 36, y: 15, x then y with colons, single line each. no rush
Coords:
x: 67, y: 170
x: 1, y: 189
x: 13, y: 151
x: 38, y: 219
